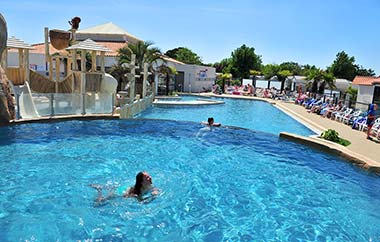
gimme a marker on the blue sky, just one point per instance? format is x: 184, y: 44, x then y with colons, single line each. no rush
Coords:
x: 307, y: 32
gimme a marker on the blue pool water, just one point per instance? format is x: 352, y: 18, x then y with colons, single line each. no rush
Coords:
x: 255, y: 115
x: 221, y: 185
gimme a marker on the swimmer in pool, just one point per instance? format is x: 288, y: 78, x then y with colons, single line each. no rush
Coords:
x: 211, y: 123
x: 143, y: 186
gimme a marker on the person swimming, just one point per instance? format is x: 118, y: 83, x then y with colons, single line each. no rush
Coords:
x: 142, y: 190
x: 210, y: 122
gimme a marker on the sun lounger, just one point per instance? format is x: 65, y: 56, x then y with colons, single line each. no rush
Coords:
x: 350, y: 117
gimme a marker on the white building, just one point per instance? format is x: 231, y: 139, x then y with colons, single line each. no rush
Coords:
x: 189, y: 78
x: 368, y: 91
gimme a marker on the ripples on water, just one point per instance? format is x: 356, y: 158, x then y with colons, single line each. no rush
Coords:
x: 226, y: 184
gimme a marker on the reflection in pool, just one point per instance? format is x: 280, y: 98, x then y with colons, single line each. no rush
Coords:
x: 226, y: 184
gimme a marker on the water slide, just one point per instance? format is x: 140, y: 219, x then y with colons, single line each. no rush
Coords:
x: 109, y: 85
x: 26, y: 103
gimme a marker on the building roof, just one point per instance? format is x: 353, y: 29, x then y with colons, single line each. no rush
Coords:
x: 88, y: 44
x: 167, y: 58
x: 107, y: 29
x: 366, y: 80
x: 13, y: 42
x: 40, y: 49
x: 113, y: 46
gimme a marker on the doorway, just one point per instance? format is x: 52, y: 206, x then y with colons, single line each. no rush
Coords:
x: 376, y: 95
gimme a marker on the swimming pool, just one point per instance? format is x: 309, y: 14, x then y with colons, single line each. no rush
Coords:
x: 224, y: 185
x: 250, y: 114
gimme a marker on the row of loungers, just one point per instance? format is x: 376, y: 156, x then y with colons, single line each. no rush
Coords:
x: 341, y: 113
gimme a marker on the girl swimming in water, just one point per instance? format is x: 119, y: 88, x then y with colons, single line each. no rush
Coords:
x: 143, y: 186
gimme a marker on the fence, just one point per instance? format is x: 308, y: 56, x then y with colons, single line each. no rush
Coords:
x: 36, y: 105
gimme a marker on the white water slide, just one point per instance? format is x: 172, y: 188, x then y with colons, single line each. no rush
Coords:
x: 25, y: 102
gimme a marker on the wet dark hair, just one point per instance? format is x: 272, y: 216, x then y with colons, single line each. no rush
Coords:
x: 138, y: 184
x: 210, y: 119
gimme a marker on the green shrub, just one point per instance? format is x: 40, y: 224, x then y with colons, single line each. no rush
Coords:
x: 333, y: 136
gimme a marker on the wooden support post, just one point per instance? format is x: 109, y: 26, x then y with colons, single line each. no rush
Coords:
x: 145, y: 78
x: 83, y: 72
x: 27, y: 69
x: 21, y: 69
x: 47, y: 53
x: 74, y: 59
x: 50, y: 68
x: 132, y: 81
x: 83, y: 60
x: 93, y: 61
x: 103, y: 65
x: 20, y: 58
x: 83, y: 80
x: 68, y: 67
x: 102, y: 62
x: 57, y: 72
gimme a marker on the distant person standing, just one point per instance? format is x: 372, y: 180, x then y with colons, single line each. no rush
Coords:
x: 371, y: 119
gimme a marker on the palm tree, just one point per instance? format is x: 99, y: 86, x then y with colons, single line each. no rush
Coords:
x: 254, y: 74
x: 118, y: 71
x: 315, y: 76
x: 145, y: 53
x: 328, y: 79
x: 168, y: 72
x: 282, y: 76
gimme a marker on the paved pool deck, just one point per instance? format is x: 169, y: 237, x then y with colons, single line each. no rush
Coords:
x: 366, y: 150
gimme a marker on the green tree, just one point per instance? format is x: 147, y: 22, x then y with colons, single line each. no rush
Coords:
x: 320, y: 78
x: 222, y: 79
x: 293, y: 67
x: 270, y: 70
x: 224, y: 66
x: 361, y: 71
x: 353, y: 92
x: 274, y: 70
x: 145, y: 53
x: 343, y: 66
x: 119, y: 72
x: 306, y: 69
x: 184, y: 55
x: 328, y: 80
x: 244, y: 59
x: 254, y: 75
x: 282, y: 75
x: 315, y: 76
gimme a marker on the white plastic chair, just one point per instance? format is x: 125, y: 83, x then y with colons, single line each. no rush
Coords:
x: 339, y: 117
x: 375, y: 131
x: 364, y: 126
x: 347, y: 118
